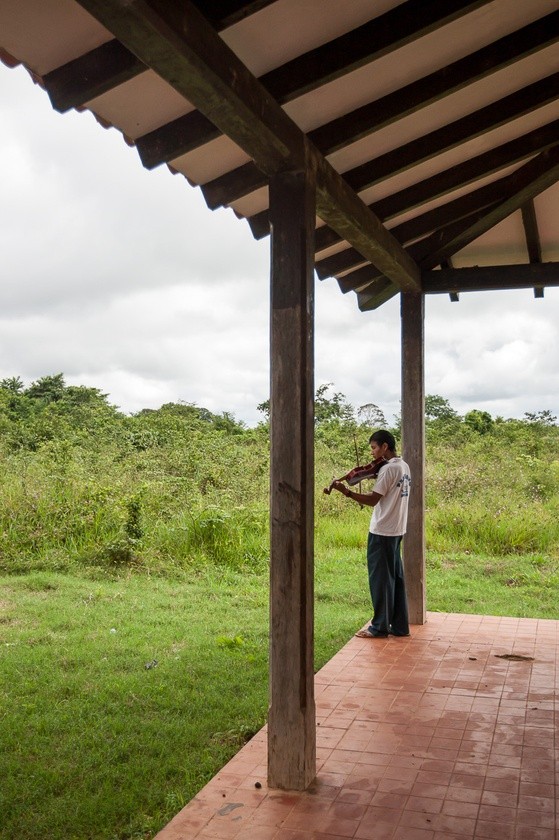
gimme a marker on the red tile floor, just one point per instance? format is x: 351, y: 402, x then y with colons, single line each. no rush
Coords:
x: 440, y: 736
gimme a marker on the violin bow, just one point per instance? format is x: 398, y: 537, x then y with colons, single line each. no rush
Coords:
x: 357, y: 457
x: 356, y: 453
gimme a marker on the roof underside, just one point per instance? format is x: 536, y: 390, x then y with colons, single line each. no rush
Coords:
x: 432, y: 125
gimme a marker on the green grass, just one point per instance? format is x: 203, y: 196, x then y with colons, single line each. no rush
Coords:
x: 134, y: 596
x: 122, y: 694
x: 515, y: 585
x: 120, y: 697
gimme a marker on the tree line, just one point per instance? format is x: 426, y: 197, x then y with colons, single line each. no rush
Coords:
x: 83, y: 483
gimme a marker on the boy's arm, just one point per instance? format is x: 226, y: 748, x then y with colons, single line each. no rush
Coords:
x: 368, y: 499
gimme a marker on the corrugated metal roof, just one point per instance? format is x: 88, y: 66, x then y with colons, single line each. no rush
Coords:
x: 442, y: 116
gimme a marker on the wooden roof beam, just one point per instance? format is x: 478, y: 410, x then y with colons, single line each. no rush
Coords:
x: 181, y: 47
x: 437, y: 185
x: 531, y: 231
x: 490, y: 278
x: 344, y: 211
x: 457, y: 177
x: 357, y: 279
x: 420, y: 226
x: 378, y: 292
x: 366, y: 279
x: 452, y: 281
x: 91, y: 75
x: 454, y: 296
x: 533, y: 243
x: 105, y: 67
x: 385, y: 33
x: 382, y: 112
x: 511, y: 107
x: 523, y: 185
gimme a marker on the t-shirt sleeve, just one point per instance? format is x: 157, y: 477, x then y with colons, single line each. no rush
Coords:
x: 384, y: 481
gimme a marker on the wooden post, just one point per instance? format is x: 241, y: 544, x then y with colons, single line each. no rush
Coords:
x: 413, y: 448
x: 291, y: 717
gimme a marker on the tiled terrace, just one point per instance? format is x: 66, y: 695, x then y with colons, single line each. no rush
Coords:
x: 433, y: 737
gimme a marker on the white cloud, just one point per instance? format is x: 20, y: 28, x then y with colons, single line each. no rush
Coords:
x: 122, y: 279
x: 499, y: 355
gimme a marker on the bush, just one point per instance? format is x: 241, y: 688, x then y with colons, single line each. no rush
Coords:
x: 180, y: 487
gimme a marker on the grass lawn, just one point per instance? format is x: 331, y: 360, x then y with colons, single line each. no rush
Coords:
x: 121, y: 696
x: 520, y: 585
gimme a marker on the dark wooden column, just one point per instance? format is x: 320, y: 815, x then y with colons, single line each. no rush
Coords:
x: 413, y: 448
x: 291, y: 718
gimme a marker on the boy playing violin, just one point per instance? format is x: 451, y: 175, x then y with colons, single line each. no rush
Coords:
x: 389, y: 501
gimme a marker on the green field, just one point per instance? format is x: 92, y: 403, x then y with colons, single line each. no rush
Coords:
x: 134, y: 586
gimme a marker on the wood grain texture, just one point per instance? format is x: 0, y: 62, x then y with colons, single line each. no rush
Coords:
x: 413, y: 450
x: 291, y: 720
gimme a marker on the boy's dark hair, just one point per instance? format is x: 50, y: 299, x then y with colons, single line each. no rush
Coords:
x: 382, y: 436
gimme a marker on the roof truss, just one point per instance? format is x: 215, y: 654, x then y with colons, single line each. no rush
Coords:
x: 516, y: 191
x: 182, y: 47
x: 359, y: 123
x: 315, y: 68
x: 374, y: 248
x: 105, y: 67
x: 490, y: 278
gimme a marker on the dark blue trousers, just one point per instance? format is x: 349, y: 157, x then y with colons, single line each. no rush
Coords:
x: 387, y: 585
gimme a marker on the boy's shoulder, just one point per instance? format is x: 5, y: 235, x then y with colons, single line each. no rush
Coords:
x: 398, y: 465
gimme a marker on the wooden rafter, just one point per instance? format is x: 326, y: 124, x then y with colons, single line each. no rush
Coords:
x: 91, y: 75
x: 528, y: 181
x: 365, y: 278
x: 359, y: 279
x: 105, y: 67
x: 522, y: 186
x: 457, y: 177
x: 179, y: 44
x: 382, y: 112
x: 424, y: 224
x: 523, y: 101
x: 472, y: 207
x: 378, y: 292
x: 348, y: 52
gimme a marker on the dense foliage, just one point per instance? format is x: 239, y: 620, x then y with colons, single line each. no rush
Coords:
x: 175, y: 488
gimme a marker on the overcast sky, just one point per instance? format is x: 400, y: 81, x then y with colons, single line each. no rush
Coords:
x: 123, y: 280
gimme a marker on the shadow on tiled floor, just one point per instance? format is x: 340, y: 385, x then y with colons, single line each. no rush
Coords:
x: 447, y: 735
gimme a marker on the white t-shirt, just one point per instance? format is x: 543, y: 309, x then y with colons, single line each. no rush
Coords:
x: 390, y: 514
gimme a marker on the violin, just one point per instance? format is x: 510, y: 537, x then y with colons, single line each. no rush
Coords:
x: 358, y: 474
